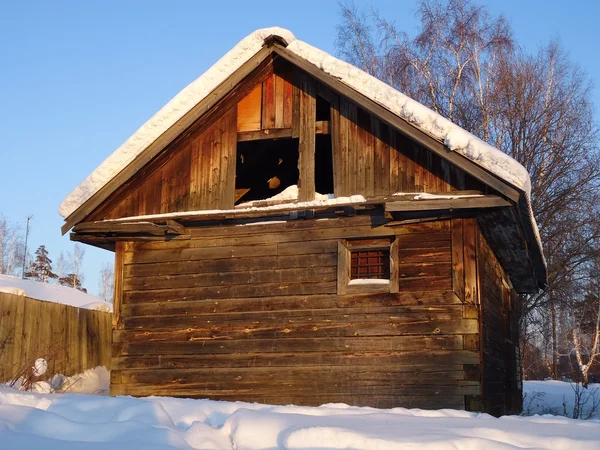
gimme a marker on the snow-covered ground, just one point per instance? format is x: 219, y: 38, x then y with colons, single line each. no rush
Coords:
x: 52, y: 293
x: 558, y: 397
x: 74, y: 421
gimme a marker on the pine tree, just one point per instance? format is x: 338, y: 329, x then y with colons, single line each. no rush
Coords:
x: 71, y: 280
x: 41, y: 268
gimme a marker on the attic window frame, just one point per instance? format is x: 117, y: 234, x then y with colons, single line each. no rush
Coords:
x: 345, y: 249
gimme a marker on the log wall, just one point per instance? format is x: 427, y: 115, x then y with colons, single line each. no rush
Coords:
x: 502, y: 385
x: 251, y: 312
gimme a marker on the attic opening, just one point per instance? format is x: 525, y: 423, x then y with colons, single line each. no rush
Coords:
x: 265, y: 168
x: 323, y: 151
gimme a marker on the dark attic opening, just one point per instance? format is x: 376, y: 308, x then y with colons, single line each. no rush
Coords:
x: 323, y: 152
x: 265, y: 168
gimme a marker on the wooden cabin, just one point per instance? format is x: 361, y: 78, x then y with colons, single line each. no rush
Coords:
x: 282, y: 234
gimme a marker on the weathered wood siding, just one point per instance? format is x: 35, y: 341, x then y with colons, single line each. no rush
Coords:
x: 502, y: 385
x: 200, y: 174
x: 197, y: 170
x: 371, y: 158
x: 251, y: 313
x: 70, y: 339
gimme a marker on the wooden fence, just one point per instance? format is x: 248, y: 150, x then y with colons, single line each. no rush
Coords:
x: 71, y: 339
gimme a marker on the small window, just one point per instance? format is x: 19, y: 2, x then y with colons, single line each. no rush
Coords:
x: 367, y: 265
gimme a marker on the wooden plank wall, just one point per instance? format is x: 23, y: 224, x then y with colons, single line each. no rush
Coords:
x: 197, y: 171
x: 502, y: 389
x: 70, y: 339
x: 269, y: 105
x: 251, y: 313
x: 199, y: 175
x: 374, y: 159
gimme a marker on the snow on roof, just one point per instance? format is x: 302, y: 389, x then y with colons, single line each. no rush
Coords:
x: 454, y: 137
x: 319, y: 202
x: 52, y: 293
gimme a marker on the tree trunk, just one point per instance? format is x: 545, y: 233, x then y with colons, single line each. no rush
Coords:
x: 554, y: 343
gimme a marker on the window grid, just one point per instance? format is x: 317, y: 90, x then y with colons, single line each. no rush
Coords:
x: 370, y: 264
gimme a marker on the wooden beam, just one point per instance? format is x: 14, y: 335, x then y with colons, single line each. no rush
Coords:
x: 307, y: 129
x: 402, y: 125
x: 118, y: 284
x: 321, y: 127
x: 442, y: 204
x: 166, y: 138
x: 130, y: 230
x: 268, y: 133
x: 174, y: 227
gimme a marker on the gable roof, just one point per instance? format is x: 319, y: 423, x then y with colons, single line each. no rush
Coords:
x: 451, y: 135
x: 457, y: 143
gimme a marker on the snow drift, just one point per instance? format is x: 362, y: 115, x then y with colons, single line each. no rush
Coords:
x: 74, y: 421
x: 52, y: 293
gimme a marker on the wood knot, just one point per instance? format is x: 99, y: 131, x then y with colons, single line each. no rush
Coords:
x: 437, y: 331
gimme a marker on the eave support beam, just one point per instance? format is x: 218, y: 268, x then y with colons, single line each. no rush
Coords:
x: 447, y: 204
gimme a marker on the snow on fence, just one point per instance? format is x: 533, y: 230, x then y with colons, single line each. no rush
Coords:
x: 70, y: 339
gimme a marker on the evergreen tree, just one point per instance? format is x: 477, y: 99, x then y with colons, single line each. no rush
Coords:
x: 71, y: 280
x: 41, y: 268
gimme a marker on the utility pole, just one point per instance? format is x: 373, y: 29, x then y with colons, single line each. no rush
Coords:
x: 25, y: 250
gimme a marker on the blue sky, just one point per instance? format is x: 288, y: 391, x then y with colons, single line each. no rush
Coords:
x: 77, y: 78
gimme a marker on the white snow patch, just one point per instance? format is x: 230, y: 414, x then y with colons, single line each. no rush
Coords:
x: 13, y: 290
x: 52, y: 293
x: 69, y: 422
x: 556, y: 397
x: 94, y: 381
x: 361, y: 281
x: 39, y: 367
x: 264, y: 222
x: 289, y: 193
x: 427, y: 196
x: 282, y: 206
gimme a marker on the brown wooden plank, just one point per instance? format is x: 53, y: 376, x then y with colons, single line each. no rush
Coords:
x: 268, y: 102
x: 470, y: 260
x: 300, y: 345
x: 458, y: 266
x: 218, y: 292
x: 487, y: 201
x: 306, y: 145
x: 433, y: 358
x: 432, y: 301
x: 141, y: 271
x: 249, y: 110
x: 232, y: 278
x: 269, y: 133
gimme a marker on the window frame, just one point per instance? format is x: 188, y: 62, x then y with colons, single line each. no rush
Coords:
x: 344, y: 274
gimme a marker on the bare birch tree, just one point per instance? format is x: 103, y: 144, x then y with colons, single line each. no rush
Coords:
x: 464, y: 64
x: 106, y: 283
x: 11, y: 247
x: 586, y: 330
